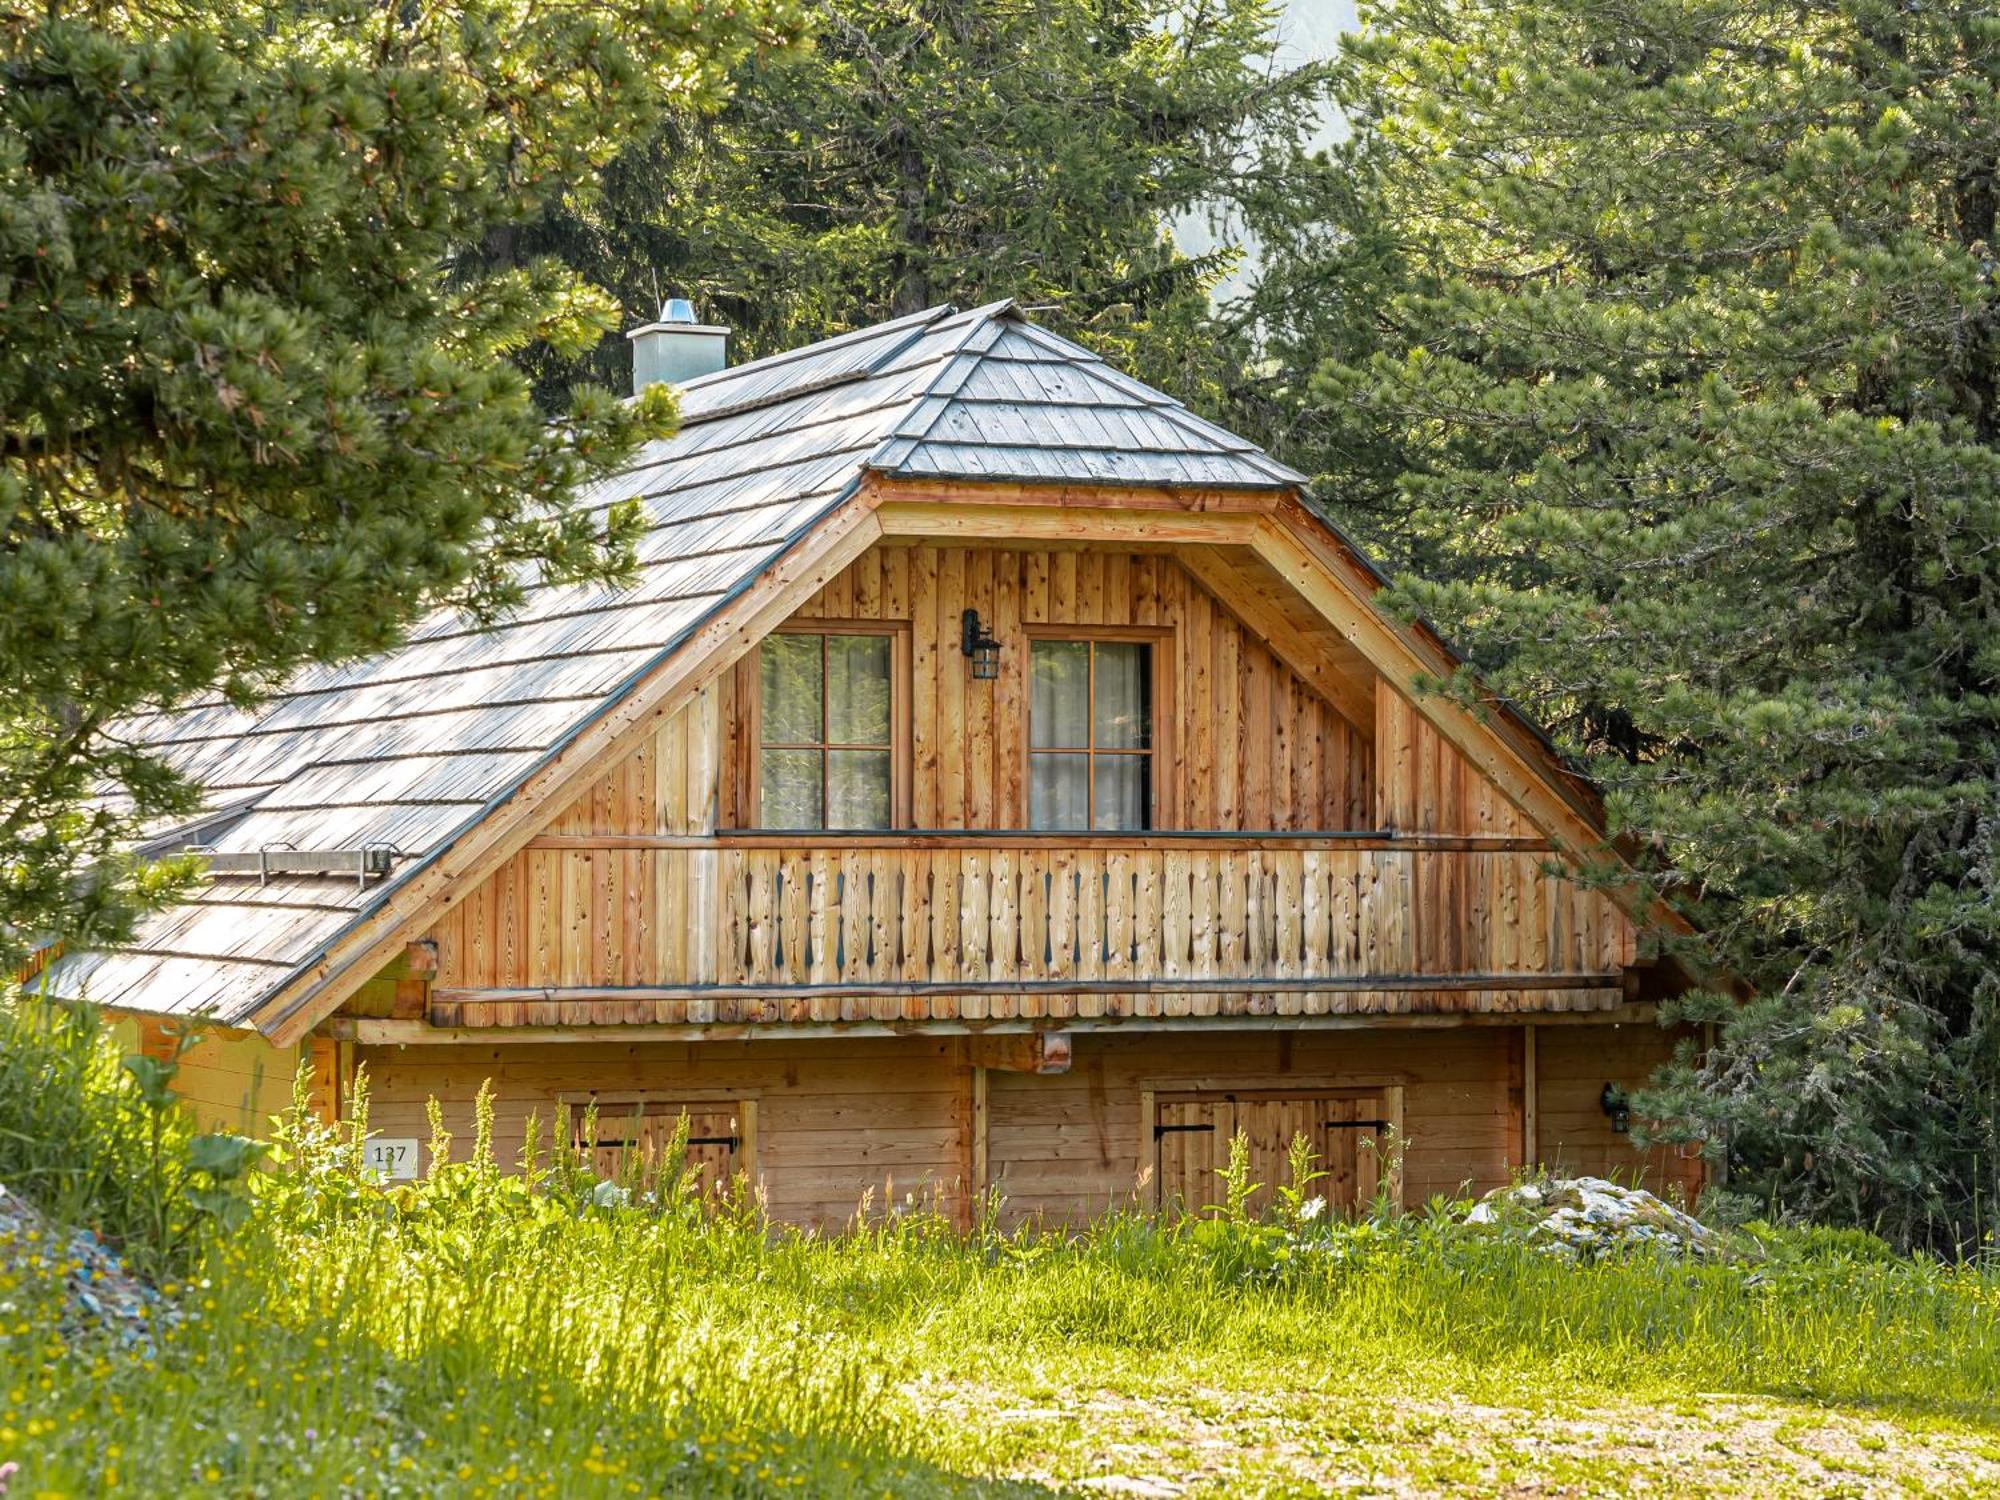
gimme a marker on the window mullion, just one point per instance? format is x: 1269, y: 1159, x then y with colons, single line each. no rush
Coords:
x: 1090, y: 737
x: 825, y: 733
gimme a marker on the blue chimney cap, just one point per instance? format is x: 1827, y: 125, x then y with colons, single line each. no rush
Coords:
x: 677, y: 310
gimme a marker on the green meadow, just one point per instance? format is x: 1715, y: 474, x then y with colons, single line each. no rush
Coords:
x: 483, y: 1332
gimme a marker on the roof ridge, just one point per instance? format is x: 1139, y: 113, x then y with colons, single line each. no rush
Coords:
x: 978, y: 320
x: 765, y: 362
x: 1169, y: 407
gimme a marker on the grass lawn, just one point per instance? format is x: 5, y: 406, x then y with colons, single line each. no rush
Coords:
x: 475, y: 1340
x: 474, y: 1335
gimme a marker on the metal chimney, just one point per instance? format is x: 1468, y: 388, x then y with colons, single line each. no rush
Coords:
x: 676, y: 349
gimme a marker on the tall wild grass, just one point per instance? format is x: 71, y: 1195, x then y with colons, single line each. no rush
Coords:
x: 529, y: 1331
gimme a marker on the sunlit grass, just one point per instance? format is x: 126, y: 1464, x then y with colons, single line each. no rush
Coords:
x: 475, y: 1335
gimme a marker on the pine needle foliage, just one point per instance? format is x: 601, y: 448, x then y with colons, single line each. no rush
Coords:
x: 929, y: 151
x: 248, y: 421
x: 1675, y: 384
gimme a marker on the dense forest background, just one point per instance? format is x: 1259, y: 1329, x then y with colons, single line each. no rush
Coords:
x: 1651, y: 343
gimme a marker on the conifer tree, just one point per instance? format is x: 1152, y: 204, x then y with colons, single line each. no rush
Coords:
x: 1676, y: 396
x: 929, y: 151
x: 247, y: 422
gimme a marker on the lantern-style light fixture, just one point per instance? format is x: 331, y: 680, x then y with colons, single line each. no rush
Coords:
x: 981, y: 647
x: 1617, y: 1108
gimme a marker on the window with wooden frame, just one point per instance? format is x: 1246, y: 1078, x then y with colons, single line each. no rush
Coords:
x: 829, y: 740
x: 1093, y: 733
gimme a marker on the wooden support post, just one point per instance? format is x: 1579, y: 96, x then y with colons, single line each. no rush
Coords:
x: 1531, y: 1128
x: 1514, y: 1045
x: 1392, y: 1103
x: 981, y: 1165
x: 1145, y: 1176
x: 746, y: 1144
x: 327, y: 1054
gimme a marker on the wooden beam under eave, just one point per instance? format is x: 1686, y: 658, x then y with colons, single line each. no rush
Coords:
x: 967, y: 520
x: 1321, y: 566
x: 434, y: 888
x: 1122, y: 497
x: 1351, y: 695
x: 384, y: 1033
x: 1302, y: 566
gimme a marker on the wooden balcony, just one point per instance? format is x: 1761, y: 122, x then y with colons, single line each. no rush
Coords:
x: 759, y: 928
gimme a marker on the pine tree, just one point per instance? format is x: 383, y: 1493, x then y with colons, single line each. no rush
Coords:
x: 931, y: 151
x: 246, y: 422
x: 1679, y: 396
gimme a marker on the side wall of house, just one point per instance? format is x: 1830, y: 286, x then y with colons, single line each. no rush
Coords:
x: 233, y: 1080
x: 1072, y: 1144
x: 1574, y: 1065
x: 838, y: 1120
x: 835, y: 1120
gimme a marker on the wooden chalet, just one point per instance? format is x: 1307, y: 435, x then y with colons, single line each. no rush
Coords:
x: 996, y: 778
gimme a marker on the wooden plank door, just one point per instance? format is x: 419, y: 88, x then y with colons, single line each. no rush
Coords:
x: 1270, y: 1126
x: 1345, y: 1130
x: 1190, y: 1141
x: 714, y: 1139
x: 1350, y: 1146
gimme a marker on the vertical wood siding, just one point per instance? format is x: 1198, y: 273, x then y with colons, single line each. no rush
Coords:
x: 1250, y: 744
x: 1247, y: 745
x: 605, y: 915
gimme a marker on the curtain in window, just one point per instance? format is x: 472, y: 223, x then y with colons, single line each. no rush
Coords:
x: 1090, y: 735
x: 825, y: 760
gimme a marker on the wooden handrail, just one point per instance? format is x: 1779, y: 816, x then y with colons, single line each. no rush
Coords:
x: 594, y: 1026
x: 1211, y: 840
x: 1607, y: 985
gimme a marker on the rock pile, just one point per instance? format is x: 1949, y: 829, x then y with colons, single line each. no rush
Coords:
x: 98, y: 1291
x: 1589, y: 1218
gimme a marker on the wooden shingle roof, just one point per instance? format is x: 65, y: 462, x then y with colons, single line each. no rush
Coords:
x: 413, y: 747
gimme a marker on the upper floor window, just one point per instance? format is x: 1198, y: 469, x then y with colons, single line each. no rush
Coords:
x: 825, y: 758
x: 1090, y: 735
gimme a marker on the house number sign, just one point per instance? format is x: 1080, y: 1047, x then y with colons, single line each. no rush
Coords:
x: 393, y: 1158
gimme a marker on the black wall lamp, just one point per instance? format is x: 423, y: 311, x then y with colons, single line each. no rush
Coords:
x: 981, y: 647
x: 1617, y: 1108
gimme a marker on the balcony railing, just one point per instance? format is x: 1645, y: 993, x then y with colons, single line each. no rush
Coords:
x: 924, y: 926
x: 986, y: 910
